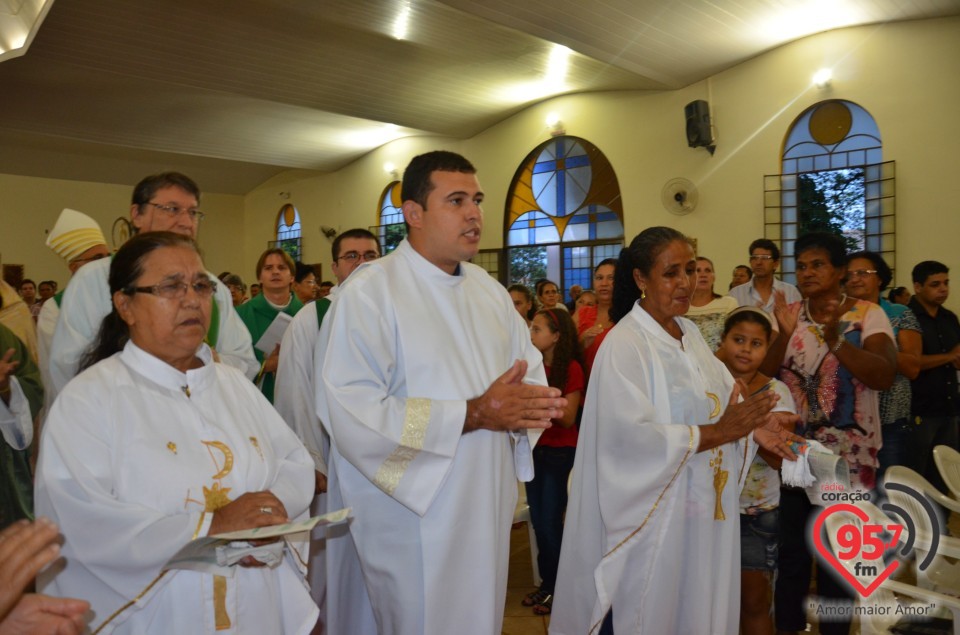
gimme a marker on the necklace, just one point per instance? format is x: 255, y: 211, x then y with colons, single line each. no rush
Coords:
x: 806, y: 308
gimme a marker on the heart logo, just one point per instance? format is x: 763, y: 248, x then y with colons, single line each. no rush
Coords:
x: 876, y: 553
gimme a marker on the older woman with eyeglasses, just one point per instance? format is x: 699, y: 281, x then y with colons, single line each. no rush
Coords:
x: 155, y: 444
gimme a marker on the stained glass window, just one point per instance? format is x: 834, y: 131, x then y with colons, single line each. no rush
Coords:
x: 564, y: 213
x: 289, y: 236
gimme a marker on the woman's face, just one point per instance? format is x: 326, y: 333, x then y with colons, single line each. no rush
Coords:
x: 603, y: 283
x: 860, y: 283
x: 744, y: 347
x: 521, y: 303
x: 670, y: 283
x: 586, y: 298
x: 306, y: 289
x: 171, y: 329
x: 236, y: 294
x: 549, y: 295
x: 816, y: 276
x: 705, y: 276
x: 541, y: 335
x: 275, y: 275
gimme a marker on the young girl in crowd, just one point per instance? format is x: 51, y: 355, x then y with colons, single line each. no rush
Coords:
x: 553, y: 333
x: 746, y: 337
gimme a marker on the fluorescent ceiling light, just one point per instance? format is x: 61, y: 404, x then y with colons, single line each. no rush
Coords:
x: 19, y: 22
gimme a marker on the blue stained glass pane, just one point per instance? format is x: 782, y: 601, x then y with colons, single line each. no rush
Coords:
x: 532, y: 228
x: 561, y: 177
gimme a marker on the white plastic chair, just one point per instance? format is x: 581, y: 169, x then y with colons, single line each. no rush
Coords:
x: 522, y: 515
x: 888, y: 590
x: 948, y: 463
x: 941, y: 575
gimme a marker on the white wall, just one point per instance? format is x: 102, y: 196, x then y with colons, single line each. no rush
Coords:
x: 907, y: 75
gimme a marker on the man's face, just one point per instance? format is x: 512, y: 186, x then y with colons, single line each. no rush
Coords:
x: 353, y: 253
x: 46, y: 291
x: 94, y: 253
x: 447, y: 231
x: 28, y: 292
x: 150, y: 218
x: 935, y: 289
x: 324, y: 291
x: 762, y: 262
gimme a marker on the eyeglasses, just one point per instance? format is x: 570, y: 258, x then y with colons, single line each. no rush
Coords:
x: 176, y: 289
x: 761, y: 257
x: 354, y: 256
x: 91, y: 258
x: 175, y: 210
x: 861, y: 273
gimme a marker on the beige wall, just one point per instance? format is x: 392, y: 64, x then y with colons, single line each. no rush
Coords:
x: 30, y: 207
x: 906, y: 74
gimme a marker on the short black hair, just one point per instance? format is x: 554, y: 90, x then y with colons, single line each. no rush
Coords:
x: 769, y: 245
x: 883, y: 269
x: 148, y: 186
x: 835, y: 246
x: 358, y: 232
x: 927, y: 268
x: 417, y: 185
x: 747, y: 269
x: 301, y: 271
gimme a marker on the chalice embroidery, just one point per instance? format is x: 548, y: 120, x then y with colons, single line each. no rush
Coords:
x: 720, y: 475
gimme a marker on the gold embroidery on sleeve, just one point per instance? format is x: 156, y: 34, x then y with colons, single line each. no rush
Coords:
x: 415, y: 424
x: 172, y: 447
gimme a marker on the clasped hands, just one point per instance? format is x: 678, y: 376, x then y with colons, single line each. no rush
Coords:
x: 510, y: 404
x: 248, y: 511
x: 754, y: 414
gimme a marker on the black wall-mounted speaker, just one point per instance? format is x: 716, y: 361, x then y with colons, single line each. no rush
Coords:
x: 699, y: 134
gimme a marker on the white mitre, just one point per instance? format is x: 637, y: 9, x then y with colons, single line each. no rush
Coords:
x: 73, y: 234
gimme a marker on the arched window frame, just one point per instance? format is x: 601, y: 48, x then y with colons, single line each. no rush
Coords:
x: 390, y: 229
x: 861, y: 147
x: 289, y: 234
x: 576, y: 230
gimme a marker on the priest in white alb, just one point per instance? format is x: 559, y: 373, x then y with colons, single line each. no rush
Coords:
x: 295, y: 399
x: 161, y: 202
x: 428, y: 384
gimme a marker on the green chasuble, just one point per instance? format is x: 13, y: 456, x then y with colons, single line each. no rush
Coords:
x: 16, y: 482
x: 257, y: 314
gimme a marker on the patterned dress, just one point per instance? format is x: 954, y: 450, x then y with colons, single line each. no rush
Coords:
x: 835, y: 407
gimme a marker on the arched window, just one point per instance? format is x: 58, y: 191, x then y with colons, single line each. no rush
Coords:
x: 391, y: 229
x: 834, y: 179
x: 564, y: 214
x: 288, y: 231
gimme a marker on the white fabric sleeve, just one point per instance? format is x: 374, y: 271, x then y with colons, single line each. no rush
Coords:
x: 85, y: 303
x: 294, y: 389
x: 75, y: 475
x: 234, y: 345
x: 639, y: 456
x: 15, y: 420
x: 403, y: 445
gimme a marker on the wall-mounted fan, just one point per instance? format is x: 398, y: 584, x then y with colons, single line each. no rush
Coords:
x: 679, y: 196
x: 121, y: 232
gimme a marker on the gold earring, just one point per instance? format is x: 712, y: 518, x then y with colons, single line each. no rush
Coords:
x: 643, y: 293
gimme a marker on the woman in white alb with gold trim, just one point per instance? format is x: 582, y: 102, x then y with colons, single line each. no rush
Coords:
x: 156, y: 444
x: 652, y: 527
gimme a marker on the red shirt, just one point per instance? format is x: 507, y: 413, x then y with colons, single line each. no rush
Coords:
x: 558, y: 436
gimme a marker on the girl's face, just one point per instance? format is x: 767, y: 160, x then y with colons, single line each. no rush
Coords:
x: 744, y: 346
x: 541, y: 335
x: 521, y: 303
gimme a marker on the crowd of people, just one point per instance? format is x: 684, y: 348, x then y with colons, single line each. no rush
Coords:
x: 150, y: 403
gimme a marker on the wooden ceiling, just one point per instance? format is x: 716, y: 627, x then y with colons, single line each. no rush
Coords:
x: 236, y: 92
